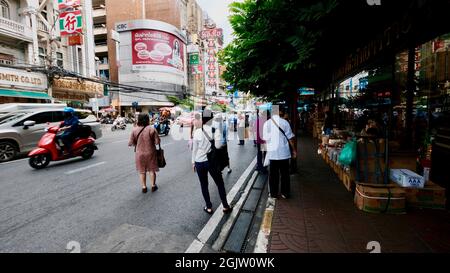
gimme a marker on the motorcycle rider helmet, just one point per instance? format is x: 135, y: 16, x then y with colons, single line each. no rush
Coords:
x: 68, y: 110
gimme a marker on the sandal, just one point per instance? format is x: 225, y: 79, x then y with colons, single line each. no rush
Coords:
x: 207, y: 210
x: 228, y: 210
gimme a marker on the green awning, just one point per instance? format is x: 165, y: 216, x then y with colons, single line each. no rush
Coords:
x: 24, y: 94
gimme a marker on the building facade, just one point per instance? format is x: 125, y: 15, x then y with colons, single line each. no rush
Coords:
x: 156, y: 15
x: 31, y: 43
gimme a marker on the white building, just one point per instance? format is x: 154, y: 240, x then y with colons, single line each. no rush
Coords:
x: 30, y: 39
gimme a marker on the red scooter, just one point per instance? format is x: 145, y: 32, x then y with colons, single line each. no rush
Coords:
x: 47, y: 150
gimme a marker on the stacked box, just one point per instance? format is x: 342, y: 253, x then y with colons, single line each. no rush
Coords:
x: 375, y: 198
x: 406, y: 178
x: 432, y: 196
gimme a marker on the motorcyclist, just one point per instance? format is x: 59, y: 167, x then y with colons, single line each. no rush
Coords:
x: 68, y: 127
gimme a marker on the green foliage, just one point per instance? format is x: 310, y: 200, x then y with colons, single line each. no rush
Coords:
x: 274, y: 43
x: 184, y: 103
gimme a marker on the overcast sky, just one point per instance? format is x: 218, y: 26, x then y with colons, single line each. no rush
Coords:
x: 218, y: 10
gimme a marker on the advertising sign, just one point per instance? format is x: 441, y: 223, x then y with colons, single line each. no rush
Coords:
x: 211, y: 68
x: 70, y: 22
x: 76, y: 39
x: 22, y: 79
x: 211, y: 33
x: 154, y: 47
x: 64, y: 4
x: 194, y: 58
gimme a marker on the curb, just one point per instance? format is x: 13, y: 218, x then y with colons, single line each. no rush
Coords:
x: 262, y: 242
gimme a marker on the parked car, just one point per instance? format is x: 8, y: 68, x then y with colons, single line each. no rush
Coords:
x: 16, y: 137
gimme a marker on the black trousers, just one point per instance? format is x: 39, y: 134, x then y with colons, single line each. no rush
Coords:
x: 279, y: 168
x: 202, y: 172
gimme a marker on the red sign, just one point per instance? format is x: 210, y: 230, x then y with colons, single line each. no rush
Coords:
x: 64, y: 4
x: 70, y: 22
x: 75, y: 40
x: 154, y: 47
x: 211, y: 33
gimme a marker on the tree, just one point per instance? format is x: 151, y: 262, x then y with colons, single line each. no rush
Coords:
x: 274, y: 44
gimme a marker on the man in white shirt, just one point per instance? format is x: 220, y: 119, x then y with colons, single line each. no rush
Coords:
x: 280, y: 142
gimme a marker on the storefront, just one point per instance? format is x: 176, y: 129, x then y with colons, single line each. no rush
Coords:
x: 75, y: 92
x: 22, y: 86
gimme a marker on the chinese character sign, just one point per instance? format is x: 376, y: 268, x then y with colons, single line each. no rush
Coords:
x: 211, y: 67
x: 70, y: 22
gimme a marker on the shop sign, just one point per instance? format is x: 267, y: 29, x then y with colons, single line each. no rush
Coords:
x: 70, y: 22
x: 211, y: 68
x: 75, y: 86
x: 76, y: 39
x: 211, y: 33
x: 67, y: 96
x: 194, y: 58
x: 64, y: 4
x: 22, y: 79
x: 154, y: 47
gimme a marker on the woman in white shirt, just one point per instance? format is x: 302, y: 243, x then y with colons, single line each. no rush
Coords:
x: 202, y: 145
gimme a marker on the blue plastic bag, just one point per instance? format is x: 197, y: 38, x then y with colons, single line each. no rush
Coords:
x: 348, y: 154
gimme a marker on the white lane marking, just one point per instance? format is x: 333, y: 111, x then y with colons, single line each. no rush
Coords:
x: 13, y: 161
x: 85, y: 168
x: 119, y: 141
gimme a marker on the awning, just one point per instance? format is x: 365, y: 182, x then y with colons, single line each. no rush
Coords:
x: 24, y: 94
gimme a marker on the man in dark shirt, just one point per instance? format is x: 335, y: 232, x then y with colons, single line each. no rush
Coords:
x: 69, y: 128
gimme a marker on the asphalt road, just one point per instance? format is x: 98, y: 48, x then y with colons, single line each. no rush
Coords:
x: 98, y: 202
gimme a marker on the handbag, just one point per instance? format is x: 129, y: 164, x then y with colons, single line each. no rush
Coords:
x: 213, y: 155
x: 160, y: 157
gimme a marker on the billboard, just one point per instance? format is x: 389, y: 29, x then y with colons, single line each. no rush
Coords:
x: 154, y: 47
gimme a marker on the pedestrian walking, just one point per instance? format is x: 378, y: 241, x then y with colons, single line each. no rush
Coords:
x: 145, y: 138
x: 241, y: 130
x: 258, y: 126
x: 280, y: 149
x: 203, y: 142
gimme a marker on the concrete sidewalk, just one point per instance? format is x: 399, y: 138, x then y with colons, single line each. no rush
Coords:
x: 321, y: 217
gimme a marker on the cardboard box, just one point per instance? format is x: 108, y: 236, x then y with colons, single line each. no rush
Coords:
x: 380, y: 198
x: 406, y: 178
x: 432, y: 196
x: 347, y: 181
x: 370, y: 163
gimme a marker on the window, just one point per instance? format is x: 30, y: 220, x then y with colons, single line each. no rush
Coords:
x: 39, y: 118
x: 6, y: 59
x: 59, y: 59
x: 4, y: 9
x: 42, y: 55
x: 58, y: 116
x: 82, y: 115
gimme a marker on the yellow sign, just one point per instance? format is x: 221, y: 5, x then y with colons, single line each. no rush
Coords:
x: 73, y: 85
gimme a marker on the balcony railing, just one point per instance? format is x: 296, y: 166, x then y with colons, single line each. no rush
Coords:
x: 42, y: 26
x: 99, y: 12
x: 99, y: 48
x: 15, y: 30
x: 100, y: 31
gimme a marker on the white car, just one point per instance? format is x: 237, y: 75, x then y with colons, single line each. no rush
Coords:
x: 16, y: 137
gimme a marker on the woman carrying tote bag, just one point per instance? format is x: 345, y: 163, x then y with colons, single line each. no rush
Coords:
x: 145, y: 138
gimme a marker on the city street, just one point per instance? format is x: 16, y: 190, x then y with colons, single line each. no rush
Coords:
x: 98, y: 202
